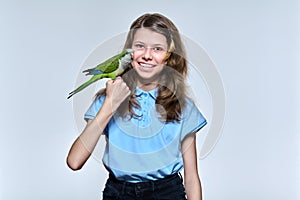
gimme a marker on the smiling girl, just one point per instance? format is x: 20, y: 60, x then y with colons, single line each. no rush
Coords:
x: 148, y: 120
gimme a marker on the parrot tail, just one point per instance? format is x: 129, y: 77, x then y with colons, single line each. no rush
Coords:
x: 84, y: 85
x: 92, y: 72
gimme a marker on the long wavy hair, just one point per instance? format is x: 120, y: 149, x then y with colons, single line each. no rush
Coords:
x: 171, y: 98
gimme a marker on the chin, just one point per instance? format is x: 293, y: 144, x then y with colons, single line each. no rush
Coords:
x: 147, y: 77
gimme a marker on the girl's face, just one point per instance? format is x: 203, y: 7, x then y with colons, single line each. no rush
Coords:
x: 150, y: 50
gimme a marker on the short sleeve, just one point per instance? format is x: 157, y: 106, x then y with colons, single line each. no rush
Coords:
x: 94, y: 108
x: 193, y: 120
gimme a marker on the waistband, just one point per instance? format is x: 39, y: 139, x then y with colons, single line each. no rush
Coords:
x: 146, y: 183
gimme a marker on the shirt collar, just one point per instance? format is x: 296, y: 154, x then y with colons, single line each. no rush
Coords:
x: 153, y: 93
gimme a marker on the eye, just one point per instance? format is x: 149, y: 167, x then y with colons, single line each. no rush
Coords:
x: 158, y: 49
x: 139, y: 46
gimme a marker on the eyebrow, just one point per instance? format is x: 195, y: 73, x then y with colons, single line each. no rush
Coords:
x: 158, y: 44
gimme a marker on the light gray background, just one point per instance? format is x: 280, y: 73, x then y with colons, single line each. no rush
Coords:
x: 254, y: 44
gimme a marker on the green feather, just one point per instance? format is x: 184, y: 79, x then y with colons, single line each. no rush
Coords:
x: 89, y: 82
x: 109, y: 68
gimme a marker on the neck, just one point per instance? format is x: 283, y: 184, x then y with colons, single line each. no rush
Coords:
x: 147, y: 86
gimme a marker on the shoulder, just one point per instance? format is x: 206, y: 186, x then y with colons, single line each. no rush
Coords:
x: 189, y: 105
x: 192, y: 112
x: 94, y: 107
x: 99, y: 99
x: 98, y: 102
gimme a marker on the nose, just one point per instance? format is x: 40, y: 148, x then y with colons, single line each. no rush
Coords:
x: 147, y: 54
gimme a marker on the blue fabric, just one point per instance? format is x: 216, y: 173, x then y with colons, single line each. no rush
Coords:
x: 145, y: 148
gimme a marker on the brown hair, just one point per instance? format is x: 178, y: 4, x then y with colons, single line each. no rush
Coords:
x: 170, y: 101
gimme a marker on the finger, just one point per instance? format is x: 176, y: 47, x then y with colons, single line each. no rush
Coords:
x: 109, y: 82
x: 118, y: 79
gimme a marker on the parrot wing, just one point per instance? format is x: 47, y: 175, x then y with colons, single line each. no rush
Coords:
x: 107, y: 66
x: 108, y: 69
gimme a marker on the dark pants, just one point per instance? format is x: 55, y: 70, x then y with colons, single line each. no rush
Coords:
x: 170, y: 188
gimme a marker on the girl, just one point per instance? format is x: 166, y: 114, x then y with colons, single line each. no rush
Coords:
x: 148, y: 120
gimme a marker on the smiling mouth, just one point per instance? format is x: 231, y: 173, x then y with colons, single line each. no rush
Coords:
x: 144, y: 65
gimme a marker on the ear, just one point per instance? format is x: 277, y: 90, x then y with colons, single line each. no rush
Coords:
x: 168, y: 54
x: 171, y: 49
x: 132, y: 66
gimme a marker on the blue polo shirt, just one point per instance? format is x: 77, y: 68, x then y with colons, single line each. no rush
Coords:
x: 145, y: 148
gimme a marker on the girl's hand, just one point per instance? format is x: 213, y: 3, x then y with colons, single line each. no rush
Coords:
x: 116, y: 92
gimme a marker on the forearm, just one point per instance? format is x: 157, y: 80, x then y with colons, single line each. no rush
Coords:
x: 116, y: 92
x: 92, y: 132
x: 193, y: 189
x: 191, y: 178
x: 86, y: 142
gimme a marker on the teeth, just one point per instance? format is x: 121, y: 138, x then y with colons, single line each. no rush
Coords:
x: 146, y: 65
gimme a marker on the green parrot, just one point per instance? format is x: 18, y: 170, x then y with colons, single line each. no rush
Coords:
x: 110, y: 68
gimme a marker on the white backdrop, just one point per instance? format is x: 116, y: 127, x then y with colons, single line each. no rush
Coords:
x: 254, y: 44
